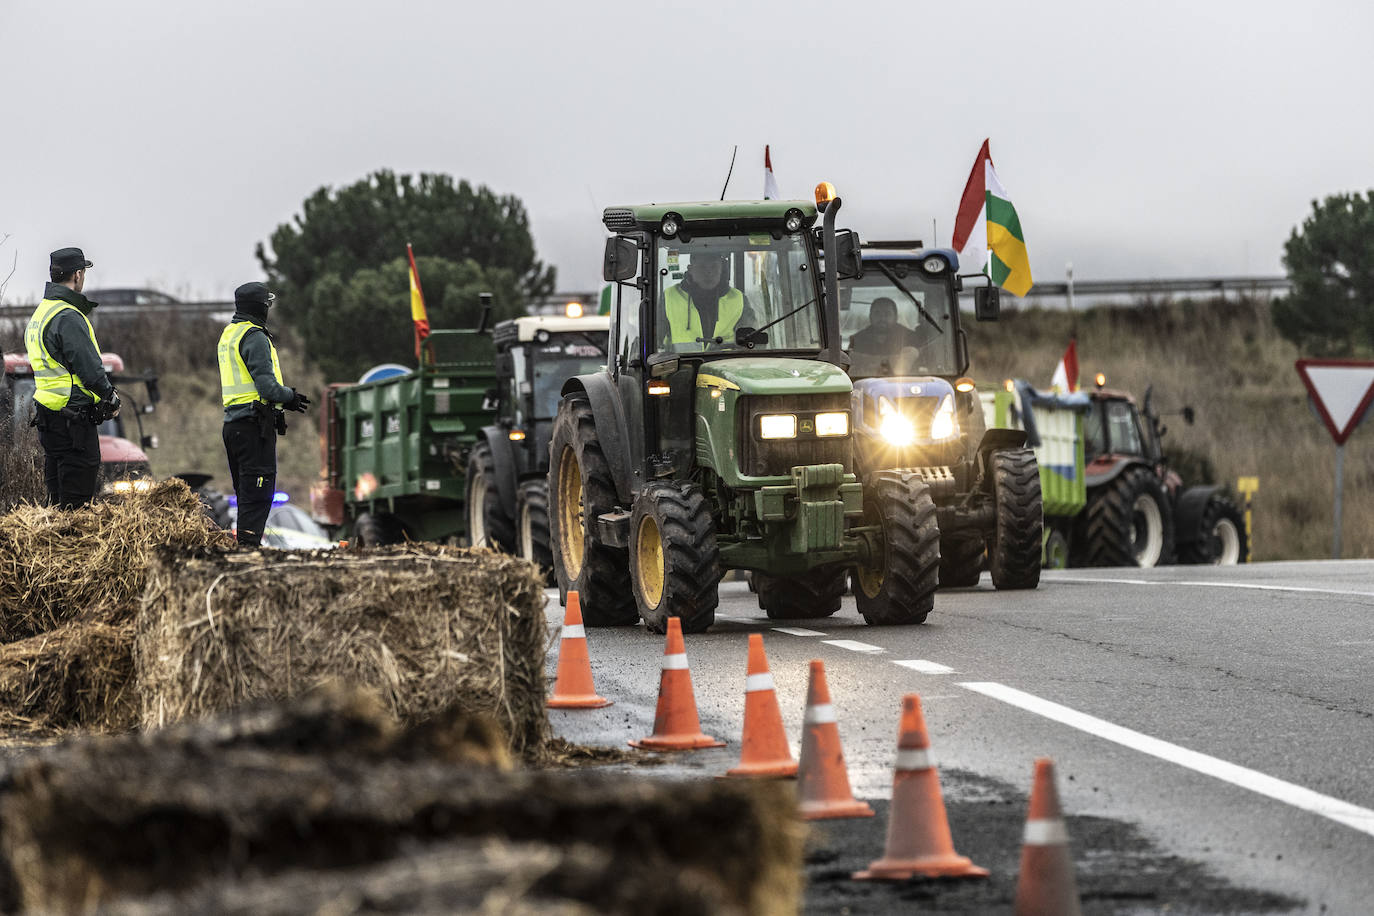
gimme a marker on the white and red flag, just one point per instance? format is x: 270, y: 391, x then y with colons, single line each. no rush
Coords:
x: 770, y: 184
x: 1065, y: 379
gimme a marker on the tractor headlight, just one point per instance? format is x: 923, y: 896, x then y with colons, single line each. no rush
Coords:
x: 124, y: 487
x: 934, y: 264
x: 670, y: 225
x: 792, y: 221
x: 832, y: 424
x: 897, y: 429
x: 777, y: 426
x: 943, y: 425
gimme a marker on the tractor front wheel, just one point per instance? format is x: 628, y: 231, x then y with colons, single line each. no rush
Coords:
x: 581, y: 490
x: 1014, y: 554
x: 1221, y: 537
x: 532, y: 526
x: 1128, y: 522
x: 489, y: 522
x: 674, y: 562
x: 812, y: 594
x: 900, y: 587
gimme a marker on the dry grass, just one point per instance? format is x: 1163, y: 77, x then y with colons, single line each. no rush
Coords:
x: 1224, y: 359
x: 80, y: 675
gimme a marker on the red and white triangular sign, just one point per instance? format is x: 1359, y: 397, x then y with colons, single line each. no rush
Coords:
x: 1342, y: 389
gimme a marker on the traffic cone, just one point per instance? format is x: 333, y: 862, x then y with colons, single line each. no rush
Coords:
x: 763, y: 750
x: 918, y: 840
x: 1046, y: 885
x: 676, y: 726
x: 573, y: 689
x: 824, y: 788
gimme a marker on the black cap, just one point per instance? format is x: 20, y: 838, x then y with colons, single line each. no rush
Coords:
x: 68, y: 259
x: 254, y: 293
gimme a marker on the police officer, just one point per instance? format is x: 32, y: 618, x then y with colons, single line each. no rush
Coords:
x: 72, y: 392
x: 254, y: 397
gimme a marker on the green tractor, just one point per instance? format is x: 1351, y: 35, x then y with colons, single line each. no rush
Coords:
x: 718, y: 436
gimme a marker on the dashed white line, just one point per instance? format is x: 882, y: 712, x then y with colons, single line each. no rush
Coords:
x: 925, y: 667
x: 1361, y: 819
x: 1255, y: 587
x: 797, y: 631
x: 853, y: 645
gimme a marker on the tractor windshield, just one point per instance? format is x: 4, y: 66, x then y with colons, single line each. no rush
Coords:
x: 16, y: 405
x: 711, y: 287
x: 558, y: 360
x: 1110, y: 428
x: 895, y: 320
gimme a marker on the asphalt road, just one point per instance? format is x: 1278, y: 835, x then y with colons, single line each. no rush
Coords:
x: 1220, y: 719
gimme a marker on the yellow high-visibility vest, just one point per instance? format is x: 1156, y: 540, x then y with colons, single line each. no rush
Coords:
x: 235, y: 381
x: 684, y: 321
x: 52, y: 382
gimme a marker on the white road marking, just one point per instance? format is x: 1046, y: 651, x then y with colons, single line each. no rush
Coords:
x: 1261, y: 588
x: 797, y: 631
x: 1361, y: 819
x: 925, y: 667
x: 852, y: 645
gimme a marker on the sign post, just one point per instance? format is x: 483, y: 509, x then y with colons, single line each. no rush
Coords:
x: 1248, y: 486
x: 1341, y: 390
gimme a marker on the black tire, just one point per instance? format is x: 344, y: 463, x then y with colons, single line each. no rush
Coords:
x: 1056, y: 552
x: 532, y: 526
x: 1119, y: 526
x: 1018, y: 537
x: 489, y: 521
x: 674, y: 561
x: 812, y: 594
x: 901, y: 587
x: 1220, y: 539
x: 378, y: 530
x: 961, y: 561
x: 581, y: 489
x: 216, y: 506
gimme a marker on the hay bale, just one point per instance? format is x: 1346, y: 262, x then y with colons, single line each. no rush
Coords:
x: 424, y: 626
x: 79, y: 675
x: 58, y: 563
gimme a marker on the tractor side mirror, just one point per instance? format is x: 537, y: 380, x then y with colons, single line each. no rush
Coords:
x: 148, y: 441
x: 621, y: 260
x: 848, y: 263
x: 1189, y: 415
x: 153, y: 394
x: 987, y: 303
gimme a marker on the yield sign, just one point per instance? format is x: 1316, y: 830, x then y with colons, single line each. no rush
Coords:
x: 1342, y: 389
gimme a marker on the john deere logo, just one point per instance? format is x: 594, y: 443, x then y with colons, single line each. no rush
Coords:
x: 808, y: 426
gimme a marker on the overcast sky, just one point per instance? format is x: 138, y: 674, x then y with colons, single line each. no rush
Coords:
x: 1161, y: 139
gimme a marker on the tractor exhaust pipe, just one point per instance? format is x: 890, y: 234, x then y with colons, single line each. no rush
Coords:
x: 832, y: 352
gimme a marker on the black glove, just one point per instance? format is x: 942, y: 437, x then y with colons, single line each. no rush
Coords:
x: 105, y: 410
x: 298, y: 402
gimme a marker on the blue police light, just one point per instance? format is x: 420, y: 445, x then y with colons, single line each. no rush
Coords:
x: 280, y: 497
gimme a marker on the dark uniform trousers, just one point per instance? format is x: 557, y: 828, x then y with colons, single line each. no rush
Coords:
x: 252, y: 452
x: 71, y: 457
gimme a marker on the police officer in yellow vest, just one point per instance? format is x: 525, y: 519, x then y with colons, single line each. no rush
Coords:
x: 254, y: 397
x: 704, y: 310
x: 70, y: 386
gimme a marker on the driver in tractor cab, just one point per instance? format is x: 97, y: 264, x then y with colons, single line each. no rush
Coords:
x: 704, y: 300
x: 884, y: 336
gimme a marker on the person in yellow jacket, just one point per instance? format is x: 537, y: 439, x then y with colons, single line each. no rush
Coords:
x: 704, y: 310
x: 72, y: 392
x: 254, y: 396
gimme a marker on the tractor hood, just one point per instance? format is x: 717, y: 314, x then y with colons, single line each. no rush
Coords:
x: 899, y: 389
x: 114, y: 449
x: 773, y: 375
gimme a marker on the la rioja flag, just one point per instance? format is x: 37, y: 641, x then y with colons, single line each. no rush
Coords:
x: 987, y: 231
x: 417, y: 303
x: 1065, y: 379
x: 770, y: 184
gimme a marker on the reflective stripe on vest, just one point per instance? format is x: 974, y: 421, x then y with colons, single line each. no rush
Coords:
x: 52, y: 382
x: 235, y: 381
x: 684, y: 321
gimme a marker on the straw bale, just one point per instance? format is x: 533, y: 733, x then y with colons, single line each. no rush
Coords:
x: 80, y: 675
x: 57, y: 563
x: 426, y: 627
x: 94, y: 820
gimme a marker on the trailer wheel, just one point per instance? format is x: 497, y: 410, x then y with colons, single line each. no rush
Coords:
x: 900, y: 587
x: 1056, y: 552
x: 961, y: 562
x: 216, y: 506
x: 1128, y: 522
x: 532, y: 526
x: 1017, y: 540
x: 1221, y: 537
x: 489, y: 523
x: 816, y: 593
x: 378, y: 530
x: 581, y: 489
x: 674, y: 562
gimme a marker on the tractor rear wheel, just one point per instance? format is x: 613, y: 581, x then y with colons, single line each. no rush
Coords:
x: 1014, y: 554
x: 1221, y: 537
x: 581, y: 490
x: 961, y: 561
x: 674, y: 562
x: 1128, y: 522
x: 532, y: 526
x: 489, y: 523
x: 812, y: 594
x: 900, y: 587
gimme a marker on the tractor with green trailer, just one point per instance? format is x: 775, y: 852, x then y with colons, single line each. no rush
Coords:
x: 396, y: 450
x: 507, y: 470
x: 719, y: 438
x: 915, y: 408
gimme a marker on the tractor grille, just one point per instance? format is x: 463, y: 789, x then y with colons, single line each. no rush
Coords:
x: 776, y: 457
x: 618, y: 219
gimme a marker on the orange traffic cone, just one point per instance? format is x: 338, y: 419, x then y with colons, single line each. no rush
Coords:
x: 824, y: 788
x: 1046, y: 886
x: 573, y: 689
x: 676, y: 726
x: 918, y: 840
x: 764, y: 750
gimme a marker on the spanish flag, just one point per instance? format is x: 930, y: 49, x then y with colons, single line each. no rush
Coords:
x: 987, y: 231
x: 417, y: 303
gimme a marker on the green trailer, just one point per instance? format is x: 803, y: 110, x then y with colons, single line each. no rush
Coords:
x: 395, y: 450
